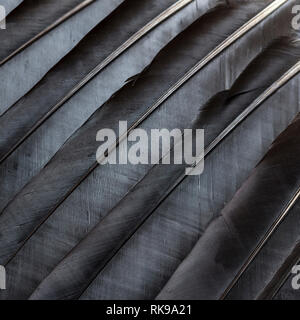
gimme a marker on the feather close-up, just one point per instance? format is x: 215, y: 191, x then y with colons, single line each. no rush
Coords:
x: 87, y: 82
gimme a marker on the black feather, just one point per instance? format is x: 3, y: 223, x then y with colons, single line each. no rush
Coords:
x: 99, y: 48
x: 164, y: 34
x: 96, y: 250
x: 154, y: 251
x: 282, y: 275
x: 231, y: 241
x: 37, y: 59
x: 54, y: 132
x: 168, y: 67
x: 31, y: 20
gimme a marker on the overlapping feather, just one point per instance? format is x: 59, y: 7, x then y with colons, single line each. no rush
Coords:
x: 232, y: 241
x: 39, y: 57
x: 168, y: 234
x: 50, y: 95
x: 284, y: 274
x: 31, y: 20
x: 98, y: 49
x: 98, y: 248
x: 156, y: 67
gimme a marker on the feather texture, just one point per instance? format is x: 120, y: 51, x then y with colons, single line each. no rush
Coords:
x: 271, y: 262
x: 33, y: 19
x: 232, y: 241
x: 181, y: 22
x: 156, y: 249
x: 98, y: 49
x: 91, y: 256
x: 172, y: 229
x: 160, y: 244
x: 35, y: 60
x: 67, y: 230
x: 287, y: 291
x: 72, y: 115
x: 165, y: 60
x: 282, y: 275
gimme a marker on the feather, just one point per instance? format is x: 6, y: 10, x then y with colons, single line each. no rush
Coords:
x: 155, y: 250
x: 282, y: 275
x: 287, y: 291
x: 233, y: 240
x: 32, y: 20
x: 31, y: 111
x: 276, y: 234
x: 53, y: 90
x: 270, y: 261
x: 99, y: 247
x: 178, y: 216
x: 36, y: 60
x: 156, y: 67
x: 181, y: 20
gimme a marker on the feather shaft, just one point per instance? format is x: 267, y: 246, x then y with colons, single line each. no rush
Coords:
x: 52, y: 26
x: 131, y: 41
x: 110, y: 235
x: 281, y: 276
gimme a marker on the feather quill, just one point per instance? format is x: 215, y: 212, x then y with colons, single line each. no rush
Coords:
x: 233, y: 240
x: 32, y: 20
x: 37, y: 59
x: 167, y: 58
x: 99, y: 247
x: 282, y: 275
x: 271, y: 263
x: 70, y: 116
x: 104, y: 43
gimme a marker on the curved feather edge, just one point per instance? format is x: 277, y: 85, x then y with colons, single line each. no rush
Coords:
x: 233, y: 240
x: 11, y: 140
x: 71, y: 170
x: 27, y: 6
x: 106, y: 239
x: 85, y: 155
x: 281, y: 275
